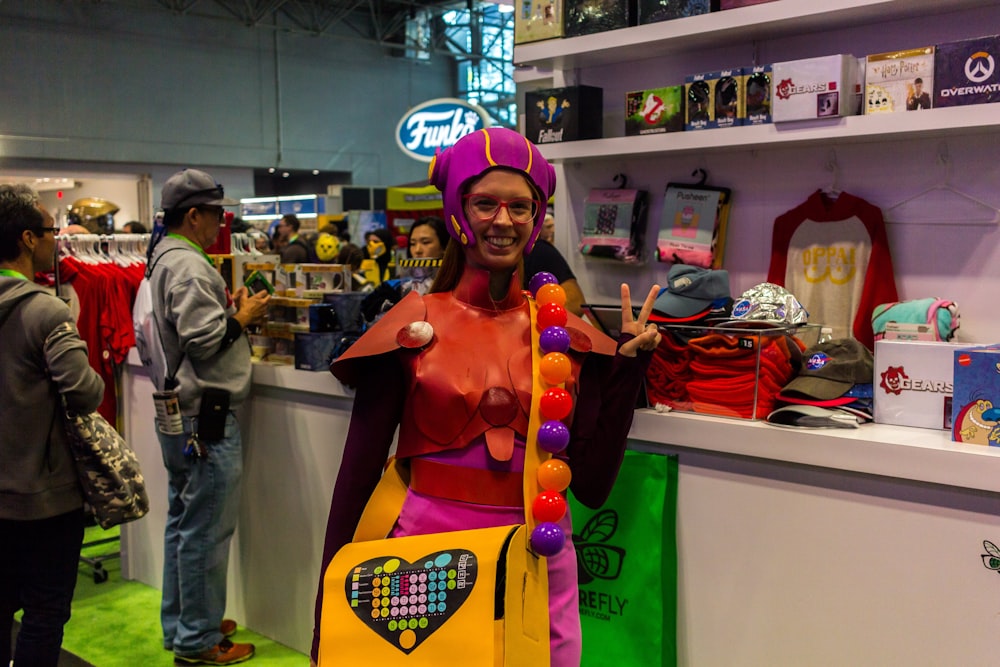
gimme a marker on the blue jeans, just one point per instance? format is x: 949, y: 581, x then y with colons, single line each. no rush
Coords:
x: 204, y: 498
x: 38, y: 567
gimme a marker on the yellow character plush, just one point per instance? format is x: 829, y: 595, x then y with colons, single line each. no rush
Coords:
x: 327, y: 247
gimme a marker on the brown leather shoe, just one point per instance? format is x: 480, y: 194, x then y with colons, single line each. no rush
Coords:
x: 227, y: 627
x: 223, y: 653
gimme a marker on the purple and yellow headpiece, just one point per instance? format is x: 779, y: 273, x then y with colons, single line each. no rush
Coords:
x: 475, y: 154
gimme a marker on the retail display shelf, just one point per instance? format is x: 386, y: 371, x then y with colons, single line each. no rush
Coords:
x: 756, y: 22
x: 850, y: 129
x: 901, y: 452
x: 283, y: 376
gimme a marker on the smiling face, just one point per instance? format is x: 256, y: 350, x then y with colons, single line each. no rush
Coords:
x: 499, y: 242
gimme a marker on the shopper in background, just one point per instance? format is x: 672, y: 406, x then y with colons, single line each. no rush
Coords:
x: 546, y: 257
x: 379, y: 244
x: 461, y: 400
x: 202, y: 327
x: 548, y: 232
x: 44, y: 362
x: 134, y: 227
x: 428, y: 238
x: 294, y: 250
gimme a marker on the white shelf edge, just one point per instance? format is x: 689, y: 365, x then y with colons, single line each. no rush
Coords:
x: 883, y: 127
x: 923, y: 455
x: 768, y: 20
x: 283, y: 376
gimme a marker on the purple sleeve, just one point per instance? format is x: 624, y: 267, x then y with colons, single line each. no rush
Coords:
x: 378, y: 404
x: 605, y: 405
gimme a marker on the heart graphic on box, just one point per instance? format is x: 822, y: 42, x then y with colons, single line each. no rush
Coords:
x: 405, y: 603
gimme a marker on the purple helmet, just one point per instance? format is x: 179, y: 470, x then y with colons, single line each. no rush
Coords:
x: 475, y: 154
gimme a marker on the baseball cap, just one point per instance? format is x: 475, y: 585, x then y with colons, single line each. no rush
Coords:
x: 193, y: 187
x: 690, y: 290
x: 831, y: 369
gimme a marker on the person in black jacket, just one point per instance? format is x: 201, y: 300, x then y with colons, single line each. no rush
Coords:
x: 294, y: 249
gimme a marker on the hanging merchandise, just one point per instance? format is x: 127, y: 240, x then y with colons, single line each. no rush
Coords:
x: 626, y: 554
x: 833, y: 254
x: 694, y: 224
x: 614, y: 224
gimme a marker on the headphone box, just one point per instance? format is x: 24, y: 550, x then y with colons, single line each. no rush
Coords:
x: 654, y: 11
x: 733, y: 4
x: 823, y: 87
x: 730, y: 109
x: 699, y: 101
x: 899, y: 81
x: 654, y: 111
x: 554, y: 115
x: 757, y: 95
x: 586, y: 17
x: 967, y: 72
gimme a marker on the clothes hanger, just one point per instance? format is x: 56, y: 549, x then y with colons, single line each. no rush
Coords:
x: 944, y: 187
x: 832, y: 191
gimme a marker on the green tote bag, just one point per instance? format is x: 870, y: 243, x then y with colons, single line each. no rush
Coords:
x: 627, y: 561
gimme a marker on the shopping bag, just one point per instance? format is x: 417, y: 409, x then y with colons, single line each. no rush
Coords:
x: 430, y: 600
x: 627, y: 561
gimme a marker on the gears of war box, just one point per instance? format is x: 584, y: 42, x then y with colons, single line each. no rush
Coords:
x: 555, y: 115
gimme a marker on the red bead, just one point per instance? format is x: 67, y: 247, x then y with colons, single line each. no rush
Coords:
x: 548, y: 506
x: 551, y: 315
x: 555, y: 403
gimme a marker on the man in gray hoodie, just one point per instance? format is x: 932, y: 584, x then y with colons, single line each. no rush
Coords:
x: 202, y: 329
x: 43, y: 362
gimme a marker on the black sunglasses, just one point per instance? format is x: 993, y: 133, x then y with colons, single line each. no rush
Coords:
x: 42, y: 230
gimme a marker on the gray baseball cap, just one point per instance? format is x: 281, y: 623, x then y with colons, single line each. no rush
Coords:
x: 193, y: 187
x: 690, y: 290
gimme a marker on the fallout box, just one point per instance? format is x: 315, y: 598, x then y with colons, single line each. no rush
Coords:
x: 967, y: 72
x: 757, y: 95
x: 654, y: 111
x: 899, y: 81
x: 585, y: 17
x: 699, y: 101
x: 535, y: 20
x: 555, y: 115
x: 654, y: 11
x: 976, y: 402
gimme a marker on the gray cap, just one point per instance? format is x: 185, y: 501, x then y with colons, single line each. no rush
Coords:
x: 193, y: 187
x: 691, y: 289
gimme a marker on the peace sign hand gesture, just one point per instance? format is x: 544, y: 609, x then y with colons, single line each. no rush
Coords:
x: 647, y: 336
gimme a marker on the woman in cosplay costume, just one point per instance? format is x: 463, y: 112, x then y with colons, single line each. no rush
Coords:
x: 453, y: 370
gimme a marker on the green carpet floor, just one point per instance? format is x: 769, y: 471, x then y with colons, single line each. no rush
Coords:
x: 117, y: 623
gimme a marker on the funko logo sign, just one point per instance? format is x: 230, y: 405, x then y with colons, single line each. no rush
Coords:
x: 434, y: 125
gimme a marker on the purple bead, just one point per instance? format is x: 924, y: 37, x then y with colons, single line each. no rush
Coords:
x: 547, y: 539
x: 553, y: 436
x: 554, y: 339
x: 539, y: 279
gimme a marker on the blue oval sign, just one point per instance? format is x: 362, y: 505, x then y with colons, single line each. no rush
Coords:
x: 434, y: 125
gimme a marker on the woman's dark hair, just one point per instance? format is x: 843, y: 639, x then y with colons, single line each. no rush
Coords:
x: 435, y: 223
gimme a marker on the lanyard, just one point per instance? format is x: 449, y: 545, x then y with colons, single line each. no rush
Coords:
x: 193, y: 245
x: 10, y: 273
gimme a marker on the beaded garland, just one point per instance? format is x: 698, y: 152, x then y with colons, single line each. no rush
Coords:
x: 553, y: 476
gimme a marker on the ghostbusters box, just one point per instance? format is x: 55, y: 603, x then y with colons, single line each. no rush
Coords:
x: 535, y: 20
x: 757, y: 95
x: 913, y: 383
x: 899, y: 81
x: 654, y: 11
x: 564, y: 114
x: 654, y: 111
x: 967, y: 72
x: 821, y: 87
x: 976, y: 405
x: 586, y: 17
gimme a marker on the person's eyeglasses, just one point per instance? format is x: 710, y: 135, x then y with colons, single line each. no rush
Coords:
x: 485, y: 208
x: 217, y: 211
x: 42, y: 230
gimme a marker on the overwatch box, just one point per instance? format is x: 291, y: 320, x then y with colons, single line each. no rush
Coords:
x: 757, y: 95
x: 654, y: 11
x: 564, y: 114
x: 899, y: 81
x: 699, y: 101
x: 654, y: 111
x: 586, y: 17
x: 821, y: 87
x: 967, y: 72
x: 976, y: 404
x: 913, y: 383
x: 535, y: 20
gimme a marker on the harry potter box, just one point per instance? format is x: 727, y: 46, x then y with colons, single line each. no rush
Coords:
x: 899, y: 80
x: 564, y: 114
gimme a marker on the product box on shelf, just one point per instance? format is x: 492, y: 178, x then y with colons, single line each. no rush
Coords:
x: 913, y: 383
x: 967, y: 72
x: 699, y: 101
x: 654, y: 111
x: 899, y: 80
x: 976, y: 403
x: 727, y: 370
x: 564, y: 114
x: 586, y: 17
x: 535, y: 20
x: 757, y: 95
x: 314, y: 350
x: 311, y: 280
x: 733, y: 4
x: 823, y: 87
x: 730, y: 109
x: 654, y: 11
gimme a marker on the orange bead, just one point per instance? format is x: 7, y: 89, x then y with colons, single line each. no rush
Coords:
x: 551, y: 294
x: 554, y: 475
x: 555, y: 367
